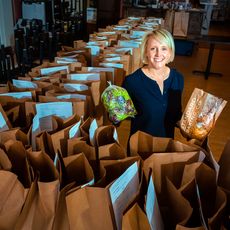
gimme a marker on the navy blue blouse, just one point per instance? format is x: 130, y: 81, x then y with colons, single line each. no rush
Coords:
x: 157, y: 113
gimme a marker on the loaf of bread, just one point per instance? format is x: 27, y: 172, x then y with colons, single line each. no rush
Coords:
x: 200, y: 114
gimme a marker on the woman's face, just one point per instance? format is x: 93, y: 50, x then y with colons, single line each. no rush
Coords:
x: 158, y: 54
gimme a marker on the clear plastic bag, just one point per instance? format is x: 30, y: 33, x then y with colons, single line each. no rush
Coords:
x: 118, y: 103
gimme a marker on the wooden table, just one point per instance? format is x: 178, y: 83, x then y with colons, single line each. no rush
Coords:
x: 212, y: 41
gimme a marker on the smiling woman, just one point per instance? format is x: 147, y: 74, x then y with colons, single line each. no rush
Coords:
x: 156, y: 89
x: 164, y: 39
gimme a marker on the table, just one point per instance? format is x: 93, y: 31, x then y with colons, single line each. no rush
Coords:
x: 212, y: 40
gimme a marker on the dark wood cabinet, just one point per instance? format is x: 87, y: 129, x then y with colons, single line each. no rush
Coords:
x: 108, y: 12
x: 143, y: 12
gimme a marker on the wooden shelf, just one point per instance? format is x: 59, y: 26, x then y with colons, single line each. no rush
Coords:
x: 143, y: 12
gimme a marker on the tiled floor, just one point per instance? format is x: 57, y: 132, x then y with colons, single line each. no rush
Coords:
x: 218, y: 86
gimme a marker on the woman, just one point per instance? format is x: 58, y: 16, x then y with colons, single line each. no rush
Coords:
x: 155, y: 88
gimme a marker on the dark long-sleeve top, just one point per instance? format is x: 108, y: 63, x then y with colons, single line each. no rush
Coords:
x: 157, y: 113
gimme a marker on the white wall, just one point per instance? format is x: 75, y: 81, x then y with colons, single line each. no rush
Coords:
x: 6, y: 23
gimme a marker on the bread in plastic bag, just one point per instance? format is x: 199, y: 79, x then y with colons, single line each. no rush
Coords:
x: 117, y: 103
x: 200, y: 114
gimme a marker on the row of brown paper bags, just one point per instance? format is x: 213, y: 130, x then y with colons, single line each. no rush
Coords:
x: 63, y: 194
x: 198, y: 120
x: 19, y: 105
x: 19, y: 112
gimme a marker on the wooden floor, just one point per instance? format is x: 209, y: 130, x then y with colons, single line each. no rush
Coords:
x: 218, y: 86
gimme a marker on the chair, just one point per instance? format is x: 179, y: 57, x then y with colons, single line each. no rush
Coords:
x: 8, y: 70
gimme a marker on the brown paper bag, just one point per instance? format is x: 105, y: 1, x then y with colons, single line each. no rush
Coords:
x: 79, y: 145
x: 9, y: 98
x: 107, y: 142
x: 180, y: 26
x: 99, y: 110
x: 13, y: 88
x: 83, y: 207
x: 178, y: 206
x: 135, y: 219
x: 112, y: 151
x: 5, y: 163
x: 157, y: 164
x: 42, y: 165
x: 48, y: 68
x: 210, y: 201
x: 224, y: 172
x: 78, y: 170
x: 106, y: 135
x: 203, y: 203
x: 4, y: 88
x: 85, y: 127
x: 102, y: 77
x: 80, y: 107
x: 30, y: 110
x: 18, y: 119
x: 91, y: 199
x: 13, y: 196
x: 5, y: 123
x: 16, y: 153
x: 224, y: 175
x: 48, y: 122
x: 205, y: 148
x: 13, y: 134
x: 40, y: 205
x: 61, y: 221
x: 40, y: 137
x: 169, y: 20
x: 44, y: 144
x: 13, y: 114
x: 189, y: 218
x: 47, y: 83
x: 144, y: 145
x: 152, y: 208
x: 136, y: 59
x: 114, y: 168
x: 64, y: 89
x: 123, y: 59
x: 109, y: 73
x: 59, y: 140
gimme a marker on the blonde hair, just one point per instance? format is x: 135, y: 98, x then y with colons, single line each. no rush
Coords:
x: 161, y: 35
